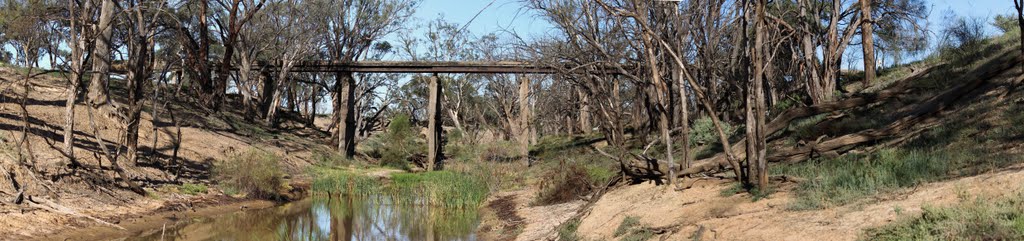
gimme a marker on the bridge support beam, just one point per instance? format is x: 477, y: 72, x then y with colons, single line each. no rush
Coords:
x: 435, y: 154
x: 525, y: 129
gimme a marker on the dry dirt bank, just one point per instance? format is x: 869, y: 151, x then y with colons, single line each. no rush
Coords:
x: 703, y: 211
x: 66, y: 201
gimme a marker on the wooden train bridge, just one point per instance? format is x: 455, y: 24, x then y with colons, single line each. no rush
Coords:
x: 434, y: 131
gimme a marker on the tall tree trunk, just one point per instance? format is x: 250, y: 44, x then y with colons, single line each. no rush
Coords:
x: 756, y: 107
x: 206, y: 82
x: 101, y: 56
x: 78, y: 59
x: 684, y: 105
x: 663, y: 105
x: 868, y: 41
x: 221, y: 84
x: 275, y: 98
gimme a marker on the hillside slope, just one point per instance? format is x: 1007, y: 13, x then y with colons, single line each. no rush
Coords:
x: 959, y: 138
x: 92, y: 195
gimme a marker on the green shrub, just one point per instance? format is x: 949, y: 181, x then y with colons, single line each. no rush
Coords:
x: 192, y: 188
x: 567, y: 231
x: 330, y: 159
x: 398, y: 144
x: 704, y: 132
x: 626, y: 225
x: 569, y: 181
x: 254, y: 172
x: 980, y: 219
x: 1005, y: 23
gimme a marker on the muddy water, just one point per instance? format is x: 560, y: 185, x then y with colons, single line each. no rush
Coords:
x: 322, y: 218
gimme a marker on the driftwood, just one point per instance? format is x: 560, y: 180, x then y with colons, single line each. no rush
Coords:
x: 920, y: 114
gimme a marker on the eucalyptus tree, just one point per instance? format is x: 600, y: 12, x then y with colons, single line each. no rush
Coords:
x: 294, y: 39
x: 232, y: 18
x: 80, y: 38
x: 349, y: 29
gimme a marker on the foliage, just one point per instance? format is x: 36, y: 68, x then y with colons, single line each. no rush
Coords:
x: 400, y: 142
x: 732, y: 190
x: 192, y: 188
x: 627, y: 223
x: 333, y: 181
x: 254, y: 172
x: 1005, y: 23
x: 704, y: 132
x: 327, y: 158
x: 440, y: 188
x: 555, y: 145
x: 451, y: 190
x: 569, y: 181
x: 978, y: 219
x: 631, y: 230
x: 499, y: 151
x: 962, y: 37
x: 567, y: 231
x: 842, y: 180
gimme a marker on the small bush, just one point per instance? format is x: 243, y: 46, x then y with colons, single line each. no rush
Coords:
x: 398, y: 144
x: 704, y: 132
x: 254, y: 172
x: 980, y: 219
x: 330, y: 159
x: 732, y: 190
x: 567, y: 232
x: 626, y: 225
x: 631, y: 230
x: 1005, y: 23
x: 501, y: 151
x: 962, y: 37
x: 568, y: 182
x: 192, y: 188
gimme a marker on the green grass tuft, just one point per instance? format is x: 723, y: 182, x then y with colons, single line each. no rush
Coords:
x: 192, y: 188
x: 567, y: 231
x: 978, y: 219
x: 843, y: 180
x: 439, y: 188
x: 626, y: 225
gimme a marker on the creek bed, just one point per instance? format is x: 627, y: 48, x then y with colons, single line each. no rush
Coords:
x: 349, y: 217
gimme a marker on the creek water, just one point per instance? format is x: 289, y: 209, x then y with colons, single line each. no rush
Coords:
x: 323, y: 218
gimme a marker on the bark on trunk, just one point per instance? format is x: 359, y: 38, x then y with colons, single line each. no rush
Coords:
x: 868, y: 41
x: 101, y: 56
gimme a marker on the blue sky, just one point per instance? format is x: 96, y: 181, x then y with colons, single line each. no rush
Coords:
x: 499, y: 16
x: 510, y: 15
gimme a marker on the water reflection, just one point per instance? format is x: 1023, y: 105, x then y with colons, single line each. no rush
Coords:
x: 322, y: 218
